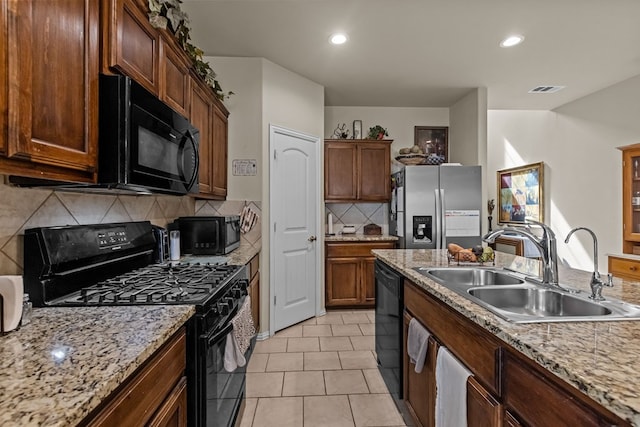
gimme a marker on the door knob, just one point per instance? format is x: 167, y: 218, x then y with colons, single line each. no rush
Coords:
x: 312, y: 238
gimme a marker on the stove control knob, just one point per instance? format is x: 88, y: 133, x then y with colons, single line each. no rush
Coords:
x: 223, y: 308
x: 236, y: 292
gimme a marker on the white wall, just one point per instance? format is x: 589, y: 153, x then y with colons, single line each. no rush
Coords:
x: 243, y: 76
x: 468, y: 129
x: 399, y: 122
x: 583, y: 173
x: 468, y: 137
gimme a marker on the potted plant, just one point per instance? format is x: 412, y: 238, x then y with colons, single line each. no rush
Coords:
x: 377, y: 132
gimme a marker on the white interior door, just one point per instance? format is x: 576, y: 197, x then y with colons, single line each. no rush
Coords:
x: 294, y: 224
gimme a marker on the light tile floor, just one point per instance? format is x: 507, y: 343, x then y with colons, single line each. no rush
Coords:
x: 319, y: 373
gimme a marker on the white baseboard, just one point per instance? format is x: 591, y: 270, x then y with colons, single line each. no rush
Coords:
x: 263, y: 335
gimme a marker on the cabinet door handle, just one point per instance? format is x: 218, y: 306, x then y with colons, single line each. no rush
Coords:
x: 312, y: 238
x: 633, y: 268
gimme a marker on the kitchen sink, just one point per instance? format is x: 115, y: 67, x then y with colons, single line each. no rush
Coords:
x: 520, y: 299
x: 538, y: 302
x: 474, y: 276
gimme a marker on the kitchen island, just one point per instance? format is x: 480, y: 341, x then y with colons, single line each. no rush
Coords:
x: 67, y: 361
x: 600, y: 359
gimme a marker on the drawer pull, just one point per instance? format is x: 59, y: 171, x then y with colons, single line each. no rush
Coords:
x: 633, y: 268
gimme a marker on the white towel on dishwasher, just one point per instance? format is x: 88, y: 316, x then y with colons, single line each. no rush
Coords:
x: 417, y: 344
x: 451, y: 390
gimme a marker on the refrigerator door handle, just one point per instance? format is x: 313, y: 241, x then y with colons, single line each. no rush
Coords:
x: 438, y: 221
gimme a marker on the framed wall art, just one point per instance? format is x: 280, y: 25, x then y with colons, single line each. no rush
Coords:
x: 520, y: 194
x: 434, y: 143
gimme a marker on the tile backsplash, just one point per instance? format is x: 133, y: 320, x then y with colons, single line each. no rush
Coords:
x: 22, y: 208
x: 234, y: 207
x: 358, y: 214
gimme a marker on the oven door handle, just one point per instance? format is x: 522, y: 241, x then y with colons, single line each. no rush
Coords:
x: 216, y: 335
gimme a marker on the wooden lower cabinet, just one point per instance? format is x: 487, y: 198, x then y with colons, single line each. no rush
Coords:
x: 624, y: 268
x: 254, y: 289
x: 173, y: 413
x: 506, y: 389
x: 349, y: 273
x: 419, y: 390
x: 154, y: 395
x: 483, y: 409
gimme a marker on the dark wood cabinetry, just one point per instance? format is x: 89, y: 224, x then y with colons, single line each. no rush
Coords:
x: 254, y: 289
x: 628, y: 267
x: 175, y: 80
x: 154, y: 395
x: 50, y: 60
x: 209, y: 115
x: 349, y: 273
x: 506, y: 388
x: 476, y: 349
x: 130, y: 43
x: 357, y: 171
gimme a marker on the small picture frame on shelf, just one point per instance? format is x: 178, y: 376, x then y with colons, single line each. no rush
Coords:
x: 434, y: 143
x: 357, y: 129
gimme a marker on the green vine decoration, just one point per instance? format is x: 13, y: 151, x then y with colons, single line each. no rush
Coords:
x: 167, y: 15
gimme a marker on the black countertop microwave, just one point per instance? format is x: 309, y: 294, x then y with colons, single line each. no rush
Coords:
x: 144, y: 146
x: 208, y: 235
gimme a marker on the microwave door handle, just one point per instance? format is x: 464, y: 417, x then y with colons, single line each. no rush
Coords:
x: 188, y: 137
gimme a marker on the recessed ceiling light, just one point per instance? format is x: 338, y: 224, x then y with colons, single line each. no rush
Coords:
x: 338, y: 38
x: 512, y: 41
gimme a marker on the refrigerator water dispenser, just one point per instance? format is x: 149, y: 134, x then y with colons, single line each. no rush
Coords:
x: 422, y: 230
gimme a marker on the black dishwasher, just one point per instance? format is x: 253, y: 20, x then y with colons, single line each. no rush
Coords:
x: 388, y: 315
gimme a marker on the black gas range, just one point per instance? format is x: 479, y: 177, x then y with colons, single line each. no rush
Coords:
x: 112, y: 265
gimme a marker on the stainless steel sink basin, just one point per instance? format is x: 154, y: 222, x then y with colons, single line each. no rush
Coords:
x: 538, y: 302
x: 474, y: 276
x: 518, y: 299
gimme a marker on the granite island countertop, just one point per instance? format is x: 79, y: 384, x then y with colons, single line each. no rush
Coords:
x: 601, y: 359
x: 58, y: 368
x: 359, y: 238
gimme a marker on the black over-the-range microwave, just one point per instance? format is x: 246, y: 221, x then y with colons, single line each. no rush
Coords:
x: 208, y: 235
x: 143, y: 142
x: 144, y: 145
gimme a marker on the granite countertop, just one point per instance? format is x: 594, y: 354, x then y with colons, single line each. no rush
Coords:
x: 359, y: 238
x: 58, y: 368
x: 631, y: 257
x: 240, y: 256
x: 601, y: 359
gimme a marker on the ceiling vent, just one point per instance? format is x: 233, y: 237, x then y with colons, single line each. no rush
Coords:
x: 546, y: 89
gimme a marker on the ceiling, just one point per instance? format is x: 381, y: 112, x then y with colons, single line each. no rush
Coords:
x: 430, y: 53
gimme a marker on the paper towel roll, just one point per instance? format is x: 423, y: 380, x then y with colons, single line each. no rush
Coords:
x: 11, y: 290
x: 330, y: 224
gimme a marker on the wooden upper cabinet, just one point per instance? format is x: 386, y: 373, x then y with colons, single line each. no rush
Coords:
x: 340, y: 175
x: 357, y: 171
x: 49, y: 106
x: 131, y: 44
x: 3, y: 76
x: 174, y: 77
x: 374, y: 165
x: 219, y: 151
x: 201, y: 116
x: 210, y: 117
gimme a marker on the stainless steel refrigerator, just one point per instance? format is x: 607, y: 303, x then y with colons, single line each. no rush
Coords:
x: 432, y: 206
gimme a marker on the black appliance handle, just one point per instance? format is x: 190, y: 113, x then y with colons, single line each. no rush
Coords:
x: 100, y: 264
x: 215, y: 336
x: 189, y: 181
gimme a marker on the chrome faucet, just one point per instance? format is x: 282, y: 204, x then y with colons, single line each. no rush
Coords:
x: 596, y: 281
x: 545, y: 244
